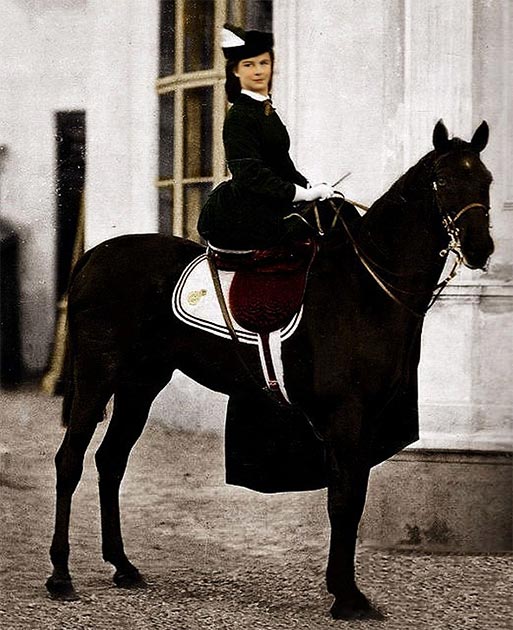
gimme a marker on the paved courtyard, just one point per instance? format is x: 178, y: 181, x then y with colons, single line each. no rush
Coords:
x: 214, y: 556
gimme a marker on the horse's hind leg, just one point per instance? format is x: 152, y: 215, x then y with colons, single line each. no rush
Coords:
x: 87, y: 410
x: 131, y: 407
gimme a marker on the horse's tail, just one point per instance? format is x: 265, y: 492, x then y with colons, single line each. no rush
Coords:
x: 68, y: 364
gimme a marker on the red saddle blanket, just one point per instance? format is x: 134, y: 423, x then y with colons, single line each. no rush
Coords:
x: 268, y: 287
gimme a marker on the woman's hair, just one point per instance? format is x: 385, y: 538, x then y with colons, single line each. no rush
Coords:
x: 232, y: 83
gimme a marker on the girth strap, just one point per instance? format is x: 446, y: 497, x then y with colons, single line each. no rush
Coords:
x: 273, y: 391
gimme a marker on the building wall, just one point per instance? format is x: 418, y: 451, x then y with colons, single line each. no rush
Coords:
x: 365, y: 83
x: 96, y: 56
x: 44, y: 51
x: 121, y: 196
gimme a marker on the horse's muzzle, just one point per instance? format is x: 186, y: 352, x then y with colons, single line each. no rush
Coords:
x: 477, y: 258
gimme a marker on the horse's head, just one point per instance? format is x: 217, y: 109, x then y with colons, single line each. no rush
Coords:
x: 462, y: 190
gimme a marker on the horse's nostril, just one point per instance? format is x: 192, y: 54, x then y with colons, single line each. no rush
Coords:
x: 478, y: 258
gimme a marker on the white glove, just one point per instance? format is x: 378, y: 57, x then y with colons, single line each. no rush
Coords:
x: 319, y: 191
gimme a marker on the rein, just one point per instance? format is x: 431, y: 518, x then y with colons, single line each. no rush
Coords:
x: 367, y: 265
x: 469, y: 207
x: 454, y: 246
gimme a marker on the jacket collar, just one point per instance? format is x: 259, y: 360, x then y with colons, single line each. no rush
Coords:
x: 256, y: 96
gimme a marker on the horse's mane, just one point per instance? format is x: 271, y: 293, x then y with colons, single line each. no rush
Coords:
x: 415, y: 184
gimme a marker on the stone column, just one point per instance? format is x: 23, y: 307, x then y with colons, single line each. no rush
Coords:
x: 438, y: 71
x: 465, y: 398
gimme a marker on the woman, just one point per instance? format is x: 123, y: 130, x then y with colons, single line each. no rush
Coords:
x: 247, y: 212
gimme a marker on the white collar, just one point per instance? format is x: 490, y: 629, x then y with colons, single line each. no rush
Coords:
x: 255, y: 95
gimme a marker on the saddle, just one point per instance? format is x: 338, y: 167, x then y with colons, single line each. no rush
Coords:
x: 268, y: 286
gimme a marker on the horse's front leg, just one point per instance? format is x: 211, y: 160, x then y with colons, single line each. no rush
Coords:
x: 348, y: 466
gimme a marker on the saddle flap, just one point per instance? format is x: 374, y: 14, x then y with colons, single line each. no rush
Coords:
x: 265, y: 296
x: 263, y: 302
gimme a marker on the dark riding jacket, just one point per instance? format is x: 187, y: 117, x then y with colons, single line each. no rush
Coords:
x: 247, y: 211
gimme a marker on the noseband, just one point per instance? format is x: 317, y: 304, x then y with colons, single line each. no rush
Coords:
x: 449, y: 223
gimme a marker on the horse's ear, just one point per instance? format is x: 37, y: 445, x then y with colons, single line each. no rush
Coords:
x: 440, y: 137
x: 480, y: 137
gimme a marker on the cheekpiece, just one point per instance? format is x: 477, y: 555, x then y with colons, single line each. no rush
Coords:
x: 239, y: 44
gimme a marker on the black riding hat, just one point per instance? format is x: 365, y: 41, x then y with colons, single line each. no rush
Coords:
x: 239, y: 44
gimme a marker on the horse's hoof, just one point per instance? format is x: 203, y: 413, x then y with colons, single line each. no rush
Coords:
x: 130, y: 579
x: 356, y: 607
x: 61, y: 589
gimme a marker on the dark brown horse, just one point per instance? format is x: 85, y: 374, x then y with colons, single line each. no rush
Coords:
x: 351, y: 366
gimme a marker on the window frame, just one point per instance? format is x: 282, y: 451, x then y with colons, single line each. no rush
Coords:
x: 178, y: 83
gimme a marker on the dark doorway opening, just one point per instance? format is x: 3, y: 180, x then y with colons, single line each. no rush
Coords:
x: 71, y: 140
x: 11, y: 363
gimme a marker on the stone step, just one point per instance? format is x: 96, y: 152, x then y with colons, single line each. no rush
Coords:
x: 427, y: 500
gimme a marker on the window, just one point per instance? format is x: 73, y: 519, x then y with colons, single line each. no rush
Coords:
x: 192, y: 102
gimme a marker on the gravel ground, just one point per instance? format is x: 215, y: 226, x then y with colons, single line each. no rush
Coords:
x: 214, y: 556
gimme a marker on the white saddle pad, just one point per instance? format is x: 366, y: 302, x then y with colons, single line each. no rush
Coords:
x: 195, y: 303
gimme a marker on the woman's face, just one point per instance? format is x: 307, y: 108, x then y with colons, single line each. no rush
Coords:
x: 255, y: 73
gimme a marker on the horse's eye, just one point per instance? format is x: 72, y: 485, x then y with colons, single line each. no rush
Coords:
x: 441, y: 181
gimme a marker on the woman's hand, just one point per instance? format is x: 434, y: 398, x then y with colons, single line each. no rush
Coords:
x: 319, y: 191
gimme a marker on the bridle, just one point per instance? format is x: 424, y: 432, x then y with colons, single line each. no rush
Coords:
x: 449, y: 223
x: 450, y: 226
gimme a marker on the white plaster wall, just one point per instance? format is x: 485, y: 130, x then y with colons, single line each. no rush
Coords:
x: 184, y: 404
x: 121, y: 195
x: 43, y: 51
x: 332, y: 98
x: 75, y: 54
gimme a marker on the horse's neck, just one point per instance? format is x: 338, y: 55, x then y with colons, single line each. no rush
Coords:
x: 402, y: 230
